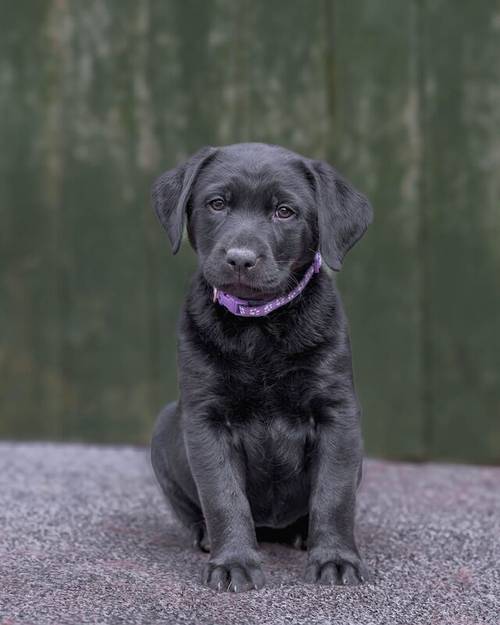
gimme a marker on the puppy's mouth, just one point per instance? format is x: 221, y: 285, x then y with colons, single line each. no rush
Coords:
x: 255, y: 286
x: 251, y: 292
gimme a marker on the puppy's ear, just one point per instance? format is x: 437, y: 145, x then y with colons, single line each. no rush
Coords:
x: 171, y: 191
x: 343, y: 213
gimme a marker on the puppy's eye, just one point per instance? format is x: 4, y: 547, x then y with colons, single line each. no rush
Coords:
x: 217, y: 204
x: 284, y: 212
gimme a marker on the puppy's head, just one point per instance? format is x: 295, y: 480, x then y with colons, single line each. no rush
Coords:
x: 256, y: 214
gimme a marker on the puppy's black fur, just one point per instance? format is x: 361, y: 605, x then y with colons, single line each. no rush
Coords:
x: 266, y: 433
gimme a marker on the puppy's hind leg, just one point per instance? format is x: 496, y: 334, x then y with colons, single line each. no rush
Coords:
x: 188, y: 514
x: 164, y: 455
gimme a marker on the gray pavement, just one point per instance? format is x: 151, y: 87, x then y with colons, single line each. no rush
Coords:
x: 85, y: 537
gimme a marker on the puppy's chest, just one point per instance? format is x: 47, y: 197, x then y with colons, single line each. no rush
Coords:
x: 267, y: 410
x: 269, y: 419
x: 272, y: 423
x: 278, y: 446
x: 266, y: 389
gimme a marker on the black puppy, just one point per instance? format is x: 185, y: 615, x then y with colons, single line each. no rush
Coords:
x: 266, y: 433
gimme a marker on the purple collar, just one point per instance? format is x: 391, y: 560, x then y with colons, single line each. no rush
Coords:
x: 242, y: 307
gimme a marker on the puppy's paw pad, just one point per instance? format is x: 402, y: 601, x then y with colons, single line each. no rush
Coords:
x: 336, y: 571
x: 233, y: 577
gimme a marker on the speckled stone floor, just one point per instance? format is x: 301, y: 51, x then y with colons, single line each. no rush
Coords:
x: 87, y: 538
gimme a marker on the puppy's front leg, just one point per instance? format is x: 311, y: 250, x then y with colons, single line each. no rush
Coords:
x: 333, y: 554
x: 219, y: 473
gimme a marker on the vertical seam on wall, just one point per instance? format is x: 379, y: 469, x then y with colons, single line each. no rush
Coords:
x: 423, y: 243
x: 153, y: 394
x: 62, y: 253
x: 241, y: 67
x: 330, y: 75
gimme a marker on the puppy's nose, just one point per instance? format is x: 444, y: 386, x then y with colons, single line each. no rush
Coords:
x: 241, y: 258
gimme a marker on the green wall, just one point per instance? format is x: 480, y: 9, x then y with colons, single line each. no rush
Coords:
x: 98, y: 97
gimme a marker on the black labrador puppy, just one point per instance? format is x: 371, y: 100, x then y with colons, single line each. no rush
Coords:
x: 266, y: 434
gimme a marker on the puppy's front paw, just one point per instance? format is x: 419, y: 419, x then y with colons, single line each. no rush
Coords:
x: 235, y: 575
x: 328, y: 568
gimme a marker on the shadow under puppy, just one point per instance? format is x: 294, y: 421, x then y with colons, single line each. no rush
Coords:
x: 266, y: 432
